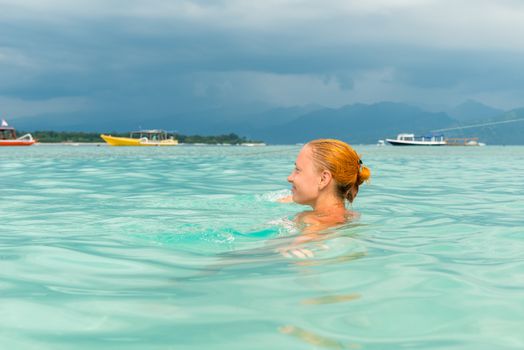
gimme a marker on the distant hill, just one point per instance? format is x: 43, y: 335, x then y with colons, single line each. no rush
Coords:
x: 278, y: 115
x: 472, y: 110
x: 493, y: 132
x: 358, y: 123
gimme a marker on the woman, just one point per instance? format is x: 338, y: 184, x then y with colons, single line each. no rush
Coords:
x: 327, y: 173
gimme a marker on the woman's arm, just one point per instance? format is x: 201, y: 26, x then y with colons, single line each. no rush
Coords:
x: 286, y: 199
x: 296, y: 248
x: 309, y: 233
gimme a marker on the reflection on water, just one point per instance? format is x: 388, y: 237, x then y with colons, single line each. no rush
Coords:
x: 330, y: 299
x: 335, y: 260
x: 335, y: 246
x: 315, y: 339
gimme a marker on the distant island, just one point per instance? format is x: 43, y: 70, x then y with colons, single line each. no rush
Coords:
x: 92, y: 137
x: 356, y: 123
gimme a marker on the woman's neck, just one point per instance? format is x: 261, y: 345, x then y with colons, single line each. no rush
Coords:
x: 329, y: 205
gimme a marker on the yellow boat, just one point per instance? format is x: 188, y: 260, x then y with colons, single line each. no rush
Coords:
x: 141, y: 138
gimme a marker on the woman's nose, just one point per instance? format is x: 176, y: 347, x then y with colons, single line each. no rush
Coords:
x: 290, y: 178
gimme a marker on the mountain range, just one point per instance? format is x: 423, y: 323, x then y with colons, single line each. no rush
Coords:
x: 367, y: 123
x: 356, y: 123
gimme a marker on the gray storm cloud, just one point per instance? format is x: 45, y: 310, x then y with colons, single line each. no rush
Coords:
x: 169, y: 57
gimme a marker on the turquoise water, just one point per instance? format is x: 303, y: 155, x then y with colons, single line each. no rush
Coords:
x: 175, y: 248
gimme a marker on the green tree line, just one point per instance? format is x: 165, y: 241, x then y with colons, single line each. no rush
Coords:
x: 91, y: 137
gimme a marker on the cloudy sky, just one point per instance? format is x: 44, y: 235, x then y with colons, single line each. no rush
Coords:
x: 112, y: 59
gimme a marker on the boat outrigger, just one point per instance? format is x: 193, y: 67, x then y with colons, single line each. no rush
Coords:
x: 142, y: 138
x: 8, y: 136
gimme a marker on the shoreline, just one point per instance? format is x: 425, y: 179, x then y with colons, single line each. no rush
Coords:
x: 98, y: 144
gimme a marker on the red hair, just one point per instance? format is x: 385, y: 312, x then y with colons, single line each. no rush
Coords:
x: 344, y: 164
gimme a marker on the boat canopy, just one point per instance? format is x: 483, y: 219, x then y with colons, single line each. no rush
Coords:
x: 412, y: 137
x: 154, y: 134
x: 152, y: 131
x: 7, y: 133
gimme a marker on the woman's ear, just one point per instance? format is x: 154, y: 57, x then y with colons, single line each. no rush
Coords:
x: 325, y: 179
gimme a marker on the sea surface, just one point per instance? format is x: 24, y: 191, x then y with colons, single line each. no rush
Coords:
x: 178, y: 248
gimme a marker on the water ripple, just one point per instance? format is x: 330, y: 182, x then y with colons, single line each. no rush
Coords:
x: 150, y: 248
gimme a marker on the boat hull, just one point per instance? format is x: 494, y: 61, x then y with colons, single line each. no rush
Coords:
x: 16, y: 142
x: 415, y: 143
x: 127, y: 141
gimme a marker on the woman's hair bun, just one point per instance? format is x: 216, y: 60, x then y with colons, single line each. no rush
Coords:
x: 364, y: 174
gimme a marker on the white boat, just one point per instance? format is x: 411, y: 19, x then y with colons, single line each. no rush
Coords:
x: 412, y: 140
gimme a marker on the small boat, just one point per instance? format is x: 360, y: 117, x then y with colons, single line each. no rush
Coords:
x: 412, y: 140
x: 8, y: 136
x: 253, y: 144
x: 141, y: 138
x: 464, y: 141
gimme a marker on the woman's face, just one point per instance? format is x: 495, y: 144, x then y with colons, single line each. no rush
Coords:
x: 305, y: 178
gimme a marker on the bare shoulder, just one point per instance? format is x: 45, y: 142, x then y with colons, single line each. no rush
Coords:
x: 312, y: 218
x: 307, y: 217
x: 352, y: 215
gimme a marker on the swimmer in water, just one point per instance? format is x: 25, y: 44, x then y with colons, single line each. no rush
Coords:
x: 327, y: 173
